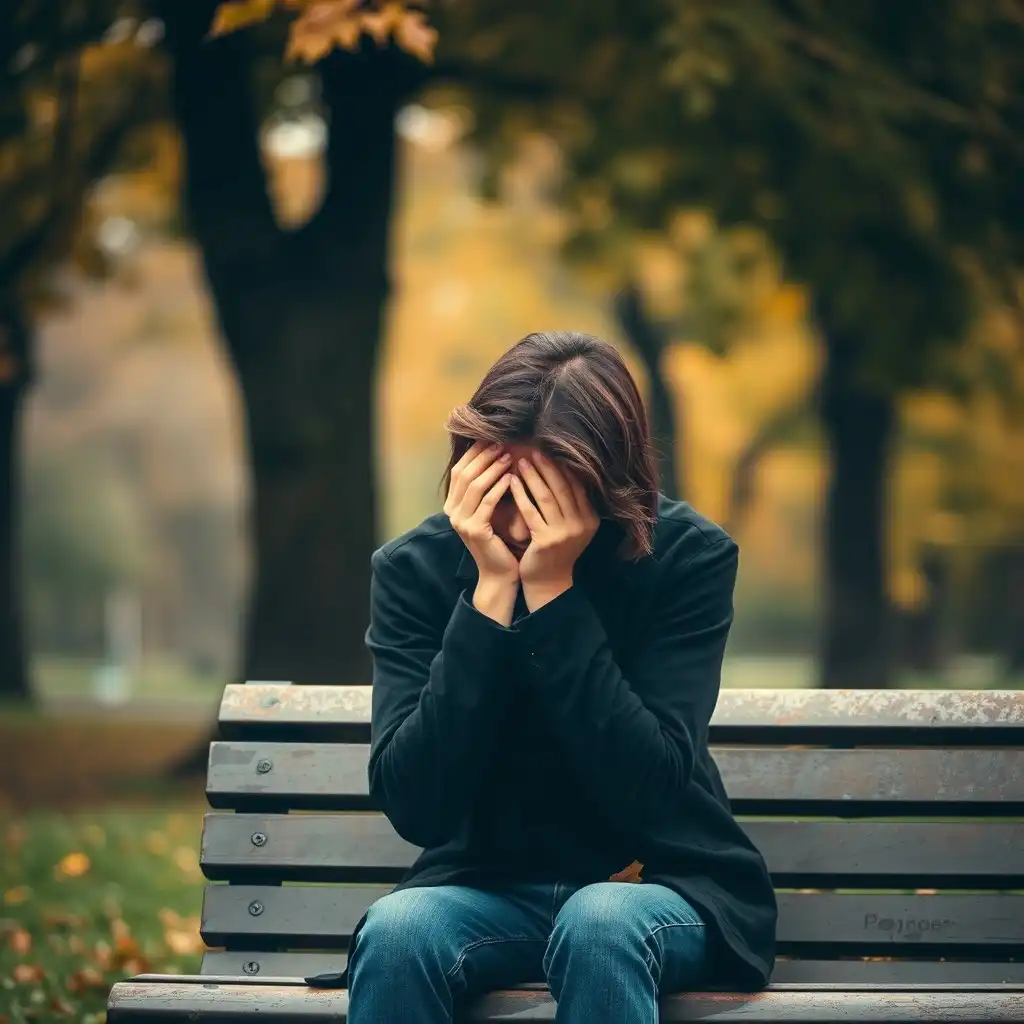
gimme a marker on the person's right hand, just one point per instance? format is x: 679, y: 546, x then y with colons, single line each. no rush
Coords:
x: 478, y: 481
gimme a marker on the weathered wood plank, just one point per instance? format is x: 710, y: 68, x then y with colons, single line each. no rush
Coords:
x: 201, y: 999
x: 230, y: 963
x: 332, y: 776
x: 323, y: 917
x: 833, y: 854
x: 742, y: 716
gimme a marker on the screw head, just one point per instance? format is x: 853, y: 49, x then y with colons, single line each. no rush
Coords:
x: 258, y: 838
x: 251, y: 967
x: 255, y: 908
x: 263, y: 765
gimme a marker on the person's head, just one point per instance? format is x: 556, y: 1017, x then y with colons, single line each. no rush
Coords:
x: 571, y: 396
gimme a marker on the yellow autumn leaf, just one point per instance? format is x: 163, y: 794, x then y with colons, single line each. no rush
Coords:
x: 380, y: 24
x: 417, y: 36
x: 74, y: 865
x: 321, y: 27
x: 19, y: 894
x: 236, y: 14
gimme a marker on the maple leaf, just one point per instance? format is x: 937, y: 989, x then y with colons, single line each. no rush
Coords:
x: 236, y: 14
x: 417, y: 36
x: 380, y: 24
x: 321, y: 27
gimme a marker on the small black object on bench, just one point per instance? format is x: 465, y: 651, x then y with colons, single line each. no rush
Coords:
x: 842, y: 790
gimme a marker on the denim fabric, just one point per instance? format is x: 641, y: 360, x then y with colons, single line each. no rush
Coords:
x: 606, y: 950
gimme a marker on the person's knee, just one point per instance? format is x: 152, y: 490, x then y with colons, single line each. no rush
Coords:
x: 594, y: 926
x: 400, y: 929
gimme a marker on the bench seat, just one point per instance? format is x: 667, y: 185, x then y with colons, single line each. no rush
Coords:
x: 892, y: 823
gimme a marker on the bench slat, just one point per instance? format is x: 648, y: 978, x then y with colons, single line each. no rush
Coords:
x: 319, y: 917
x: 230, y: 963
x: 759, y: 780
x: 830, y: 854
x: 280, y: 1002
x: 742, y: 716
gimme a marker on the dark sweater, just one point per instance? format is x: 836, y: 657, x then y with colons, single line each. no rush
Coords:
x: 575, y: 742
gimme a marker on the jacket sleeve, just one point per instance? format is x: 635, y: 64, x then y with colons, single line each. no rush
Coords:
x: 632, y: 742
x: 433, y: 708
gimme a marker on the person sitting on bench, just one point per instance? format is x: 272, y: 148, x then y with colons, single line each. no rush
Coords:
x: 547, y: 656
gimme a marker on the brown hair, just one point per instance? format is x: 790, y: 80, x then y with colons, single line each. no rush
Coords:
x: 572, y: 396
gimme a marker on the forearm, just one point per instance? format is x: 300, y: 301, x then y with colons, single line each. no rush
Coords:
x: 433, y: 733
x: 496, y: 599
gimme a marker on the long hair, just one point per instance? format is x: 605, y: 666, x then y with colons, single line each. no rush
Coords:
x: 572, y: 396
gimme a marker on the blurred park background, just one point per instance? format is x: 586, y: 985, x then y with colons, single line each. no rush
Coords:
x: 252, y: 253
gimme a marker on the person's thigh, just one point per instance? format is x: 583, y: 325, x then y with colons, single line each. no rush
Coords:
x: 649, y: 921
x: 478, y: 940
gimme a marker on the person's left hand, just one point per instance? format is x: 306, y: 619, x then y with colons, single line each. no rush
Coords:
x: 561, y: 522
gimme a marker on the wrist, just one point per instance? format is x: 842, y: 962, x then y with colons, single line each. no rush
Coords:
x: 496, y: 598
x: 541, y: 592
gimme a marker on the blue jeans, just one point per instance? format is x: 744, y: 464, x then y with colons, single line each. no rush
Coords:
x: 606, y: 950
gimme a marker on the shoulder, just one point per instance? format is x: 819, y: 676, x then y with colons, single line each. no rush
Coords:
x: 431, y: 547
x: 685, y: 541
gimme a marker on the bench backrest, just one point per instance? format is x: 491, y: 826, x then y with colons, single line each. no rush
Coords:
x: 907, y: 806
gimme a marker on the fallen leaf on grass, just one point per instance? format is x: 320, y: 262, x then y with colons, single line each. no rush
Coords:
x: 62, y: 919
x: 74, y: 865
x: 25, y: 974
x: 100, y: 1017
x: 103, y: 955
x: 187, y: 860
x: 183, y: 943
x: 19, y: 894
x: 156, y: 842
x: 21, y: 942
x: 76, y: 945
x: 85, y: 978
x: 135, y: 965
x: 61, y: 1007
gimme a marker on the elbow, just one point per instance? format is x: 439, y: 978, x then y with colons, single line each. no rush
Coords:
x: 414, y: 818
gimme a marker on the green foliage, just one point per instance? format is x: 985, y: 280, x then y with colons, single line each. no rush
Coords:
x: 878, y: 145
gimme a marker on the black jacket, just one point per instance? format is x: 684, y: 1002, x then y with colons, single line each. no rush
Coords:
x: 575, y: 742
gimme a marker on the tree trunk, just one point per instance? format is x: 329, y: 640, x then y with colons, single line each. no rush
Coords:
x: 14, y: 377
x: 856, y: 650
x: 647, y: 342
x: 302, y: 315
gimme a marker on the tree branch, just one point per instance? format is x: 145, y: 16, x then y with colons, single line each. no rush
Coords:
x: 986, y: 122
x: 225, y: 188
x: 44, y: 236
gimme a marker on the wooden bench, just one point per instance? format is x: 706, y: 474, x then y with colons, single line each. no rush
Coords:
x: 880, y: 798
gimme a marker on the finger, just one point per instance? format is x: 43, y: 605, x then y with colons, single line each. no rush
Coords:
x: 543, y: 499
x: 489, y: 502
x: 533, y: 519
x: 482, y: 483
x: 558, y: 482
x: 583, y: 503
x: 482, y: 456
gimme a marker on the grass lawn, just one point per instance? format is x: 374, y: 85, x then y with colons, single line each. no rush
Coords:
x: 92, y: 897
